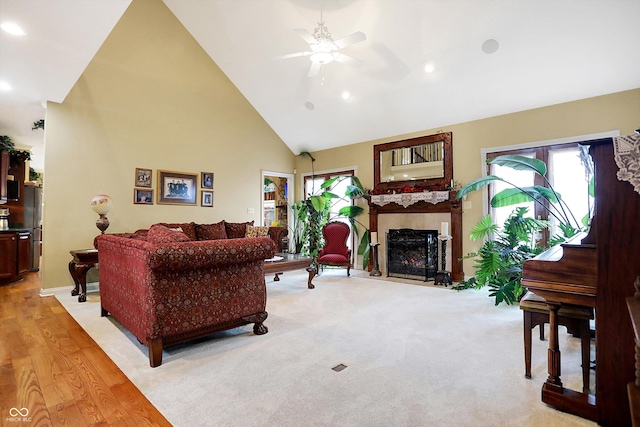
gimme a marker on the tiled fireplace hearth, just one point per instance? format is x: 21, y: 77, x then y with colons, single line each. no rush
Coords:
x: 422, y: 215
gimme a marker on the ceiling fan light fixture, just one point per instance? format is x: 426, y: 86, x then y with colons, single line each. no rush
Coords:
x: 322, y: 58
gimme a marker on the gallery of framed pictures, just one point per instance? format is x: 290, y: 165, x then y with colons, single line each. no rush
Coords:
x: 177, y: 188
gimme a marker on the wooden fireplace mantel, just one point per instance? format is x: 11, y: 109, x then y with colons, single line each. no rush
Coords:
x: 452, y: 206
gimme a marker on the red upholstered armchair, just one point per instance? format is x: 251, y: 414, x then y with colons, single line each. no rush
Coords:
x: 335, y: 251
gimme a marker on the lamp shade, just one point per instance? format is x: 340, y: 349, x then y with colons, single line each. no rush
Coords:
x: 101, y: 204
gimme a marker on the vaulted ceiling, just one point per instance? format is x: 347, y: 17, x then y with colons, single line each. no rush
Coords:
x: 548, y: 52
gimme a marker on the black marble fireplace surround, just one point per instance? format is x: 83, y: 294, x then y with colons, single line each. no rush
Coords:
x: 412, y: 254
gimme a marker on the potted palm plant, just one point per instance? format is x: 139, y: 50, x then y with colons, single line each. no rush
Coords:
x: 499, y: 261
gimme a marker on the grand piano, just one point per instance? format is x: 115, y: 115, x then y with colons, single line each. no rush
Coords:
x: 595, y: 270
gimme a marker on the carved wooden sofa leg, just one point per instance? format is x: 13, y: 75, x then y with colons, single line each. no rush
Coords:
x: 155, y: 352
x: 257, y: 319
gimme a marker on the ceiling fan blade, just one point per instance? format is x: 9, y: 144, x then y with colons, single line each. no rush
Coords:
x: 351, y: 39
x: 341, y: 57
x: 293, y: 55
x: 315, y: 69
x: 306, y: 35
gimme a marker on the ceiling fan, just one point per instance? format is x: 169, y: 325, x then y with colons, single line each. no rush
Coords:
x: 324, y: 49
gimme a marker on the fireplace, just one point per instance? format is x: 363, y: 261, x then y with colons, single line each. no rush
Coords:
x: 421, y: 215
x: 412, y: 254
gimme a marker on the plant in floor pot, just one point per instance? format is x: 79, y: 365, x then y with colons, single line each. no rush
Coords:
x: 500, y: 259
x: 498, y: 263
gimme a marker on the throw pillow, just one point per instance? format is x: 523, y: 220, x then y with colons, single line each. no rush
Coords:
x: 236, y: 230
x: 161, y: 234
x: 257, y: 231
x: 211, y: 231
x: 188, y: 228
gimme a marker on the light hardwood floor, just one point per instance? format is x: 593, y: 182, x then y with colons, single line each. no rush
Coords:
x: 51, y: 368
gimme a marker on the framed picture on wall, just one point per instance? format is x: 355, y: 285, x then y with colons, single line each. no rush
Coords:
x: 143, y: 177
x: 142, y: 196
x: 206, y: 180
x: 206, y: 198
x: 177, y: 188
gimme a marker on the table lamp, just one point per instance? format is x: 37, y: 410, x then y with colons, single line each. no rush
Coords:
x: 102, y: 205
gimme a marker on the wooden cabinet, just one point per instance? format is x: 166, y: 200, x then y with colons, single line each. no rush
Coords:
x: 8, y: 259
x: 15, y: 255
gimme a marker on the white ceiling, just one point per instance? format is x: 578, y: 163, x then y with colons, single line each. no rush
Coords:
x: 549, y: 52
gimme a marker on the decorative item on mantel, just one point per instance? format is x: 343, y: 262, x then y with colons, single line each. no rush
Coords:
x: 408, y: 195
x: 102, y: 205
x: 407, y: 199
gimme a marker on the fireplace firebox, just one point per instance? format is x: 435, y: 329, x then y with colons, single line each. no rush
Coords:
x: 412, y: 254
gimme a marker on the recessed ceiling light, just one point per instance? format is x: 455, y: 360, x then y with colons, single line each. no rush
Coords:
x: 346, y: 94
x: 5, y: 86
x: 490, y: 46
x: 12, y: 28
x: 429, y: 67
x: 309, y: 105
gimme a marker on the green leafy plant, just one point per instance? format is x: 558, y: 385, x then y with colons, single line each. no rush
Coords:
x: 313, y: 214
x: 546, y: 197
x: 6, y: 144
x: 298, y: 228
x: 17, y: 157
x: 498, y: 263
x: 38, y: 125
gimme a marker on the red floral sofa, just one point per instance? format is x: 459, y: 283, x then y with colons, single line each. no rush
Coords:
x: 167, y: 288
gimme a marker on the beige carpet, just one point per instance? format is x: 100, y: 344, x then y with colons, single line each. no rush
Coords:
x: 416, y: 355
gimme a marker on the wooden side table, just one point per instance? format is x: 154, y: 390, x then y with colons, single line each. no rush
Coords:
x: 83, y: 260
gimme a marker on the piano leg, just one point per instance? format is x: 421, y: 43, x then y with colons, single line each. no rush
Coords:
x: 553, y: 355
x: 553, y: 393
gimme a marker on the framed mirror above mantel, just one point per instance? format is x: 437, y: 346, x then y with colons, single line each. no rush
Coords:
x: 422, y: 163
